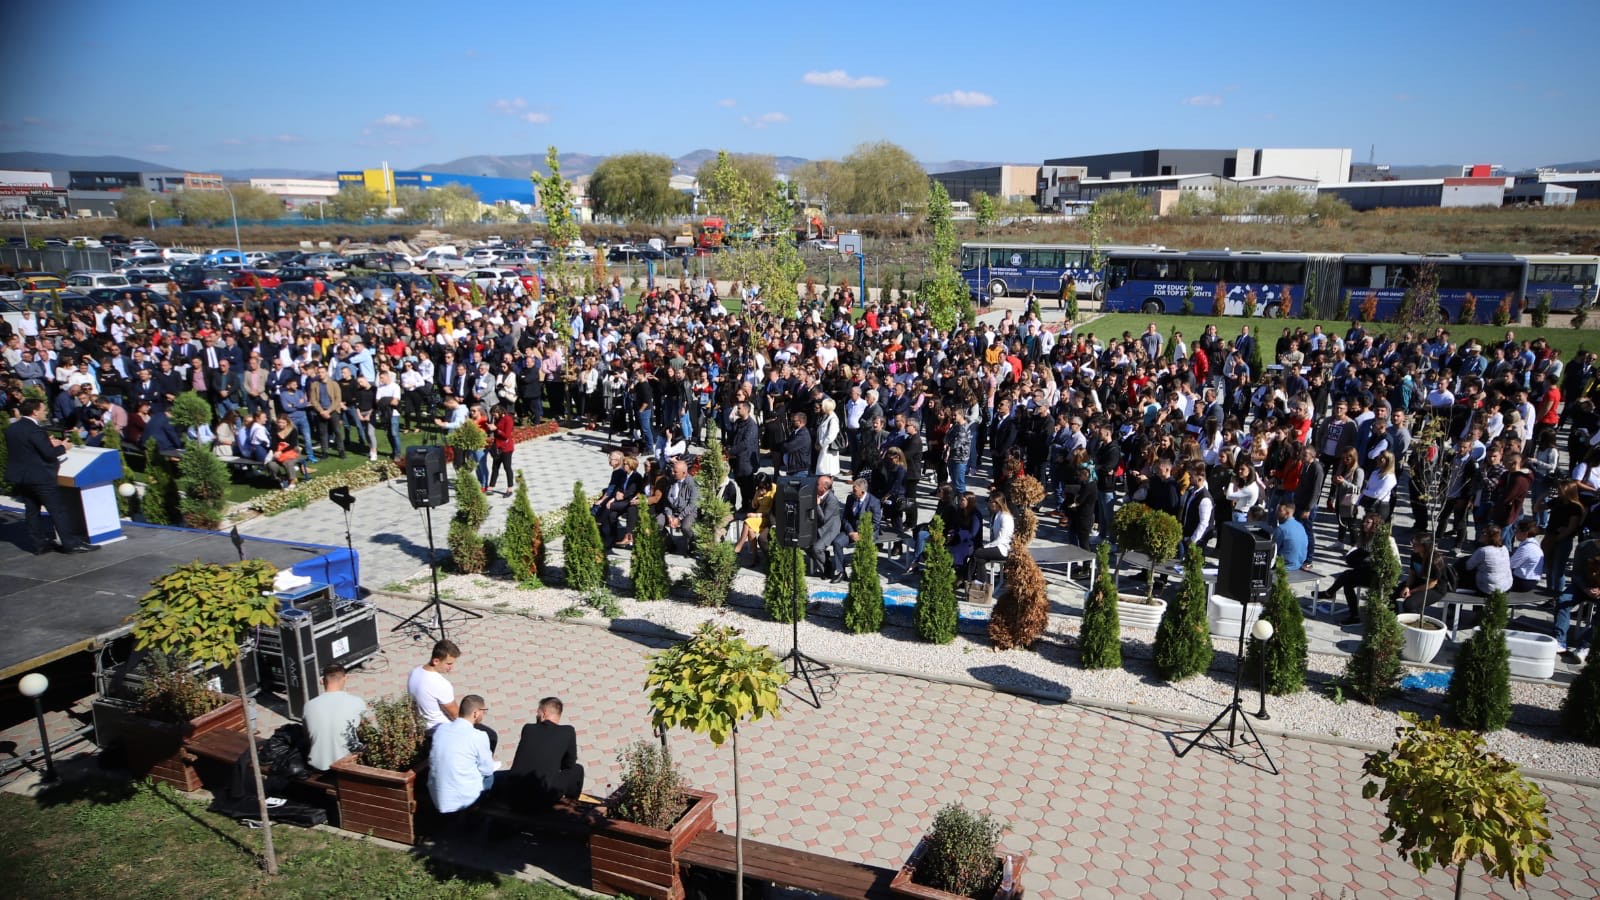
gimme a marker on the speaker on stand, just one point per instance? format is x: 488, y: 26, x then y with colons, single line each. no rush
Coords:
x: 428, y: 486
x: 795, y: 525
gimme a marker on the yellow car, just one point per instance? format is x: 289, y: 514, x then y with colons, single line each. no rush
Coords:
x: 40, y: 281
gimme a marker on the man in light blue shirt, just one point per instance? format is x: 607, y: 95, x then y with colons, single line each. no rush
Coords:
x: 1290, y: 538
x: 460, y: 765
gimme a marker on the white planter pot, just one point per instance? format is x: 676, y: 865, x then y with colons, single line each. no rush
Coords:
x: 1222, y: 616
x: 1133, y: 613
x: 1422, y: 644
x: 1533, y: 655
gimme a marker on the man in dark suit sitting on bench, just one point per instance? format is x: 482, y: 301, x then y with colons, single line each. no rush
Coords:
x: 546, y: 767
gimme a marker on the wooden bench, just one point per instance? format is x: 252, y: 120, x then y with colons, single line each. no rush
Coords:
x: 566, y: 818
x: 824, y: 875
x: 1454, y: 601
x: 226, y: 747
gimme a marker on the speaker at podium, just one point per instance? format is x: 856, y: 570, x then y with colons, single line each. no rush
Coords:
x: 87, y: 479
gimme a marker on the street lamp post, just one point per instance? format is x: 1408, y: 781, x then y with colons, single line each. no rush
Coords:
x: 151, y: 204
x: 237, y: 244
x: 33, y: 685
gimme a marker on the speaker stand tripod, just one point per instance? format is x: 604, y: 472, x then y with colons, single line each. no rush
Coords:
x: 435, y: 606
x: 1234, y: 712
x: 800, y: 665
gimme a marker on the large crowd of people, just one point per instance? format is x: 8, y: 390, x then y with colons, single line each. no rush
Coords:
x: 890, y: 416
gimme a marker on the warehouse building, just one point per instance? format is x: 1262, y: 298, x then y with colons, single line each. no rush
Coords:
x: 1439, y: 193
x: 1000, y: 182
x: 1323, y: 165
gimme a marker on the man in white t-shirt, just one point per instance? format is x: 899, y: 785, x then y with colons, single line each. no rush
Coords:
x: 433, y: 693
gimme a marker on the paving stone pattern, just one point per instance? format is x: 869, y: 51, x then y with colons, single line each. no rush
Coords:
x: 1098, y: 800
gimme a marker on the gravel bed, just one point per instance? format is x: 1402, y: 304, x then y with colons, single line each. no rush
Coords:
x: 1052, y: 666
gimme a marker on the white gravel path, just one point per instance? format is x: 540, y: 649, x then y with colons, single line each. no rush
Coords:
x: 1051, y: 667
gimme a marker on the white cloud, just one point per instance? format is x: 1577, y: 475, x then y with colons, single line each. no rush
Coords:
x: 765, y: 119
x: 839, y: 78
x: 395, y: 120
x: 1203, y: 100
x: 963, y: 98
x: 727, y: 103
x: 289, y: 139
x: 158, y: 148
x: 518, y: 108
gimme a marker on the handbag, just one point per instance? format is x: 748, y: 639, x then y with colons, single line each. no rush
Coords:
x: 978, y: 593
x: 1368, y: 502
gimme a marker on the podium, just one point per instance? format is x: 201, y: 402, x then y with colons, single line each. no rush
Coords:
x: 86, y: 479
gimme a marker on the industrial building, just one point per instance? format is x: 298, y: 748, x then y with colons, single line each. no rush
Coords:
x: 384, y: 181
x: 1445, y: 193
x: 1005, y: 183
x: 1323, y: 165
x: 1587, y: 184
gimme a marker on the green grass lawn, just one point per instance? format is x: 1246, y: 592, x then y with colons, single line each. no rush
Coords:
x: 106, y: 838
x: 1567, y: 340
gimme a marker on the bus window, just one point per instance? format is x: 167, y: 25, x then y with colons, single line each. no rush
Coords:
x: 1074, y: 259
x: 1149, y: 270
x: 1046, y: 259
x: 1201, y: 270
x: 970, y: 257
x: 1004, y: 258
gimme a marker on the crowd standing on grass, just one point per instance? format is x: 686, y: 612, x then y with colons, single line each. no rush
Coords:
x: 886, y: 410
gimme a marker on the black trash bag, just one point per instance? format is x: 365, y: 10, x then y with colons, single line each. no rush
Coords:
x: 247, y: 811
x: 285, y: 752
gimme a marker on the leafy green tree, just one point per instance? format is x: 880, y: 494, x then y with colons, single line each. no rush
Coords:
x: 785, y: 591
x: 355, y: 204
x: 1183, y: 639
x: 466, y: 544
x: 451, y: 204
x: 709, y: 684
x: 1451, y: 801
x: 1374, y: 670
x: 581, y: 546
x: 1330, y: 210
x: 1154, y: 533
x: 776, y: 267
x: 863, y: 602
x: 1232, y: 200
x: 202, y: 612
x: 1124, y: 207
x: 1580, y: 711
x: 734, y: 185
x: 1286, y: 651
x: 936, y: 619
x: 1100, y: 638
x: 133, y: 206
x: 1283, y: 205
x: 522, y: 543
x: 1190, y: 205
x: 882, y: 177
x: 203, y: 483
x: 945, y: 294
x: 556, y: 197
x: 649, y: 564
x: 824, y: 183
x: 982, y: 210
x: 636, y: 187
x: 1480, y: 687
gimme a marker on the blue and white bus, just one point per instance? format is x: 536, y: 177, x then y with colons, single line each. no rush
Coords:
x: 1159, y: 281
x: 1012, y: 270
x: 1569, y: 279
x: 1489, y: 278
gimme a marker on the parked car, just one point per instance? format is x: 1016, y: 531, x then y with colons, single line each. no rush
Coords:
x: 11, y: 290
x: 84, y: 240
x: 326, y: 260
x: 86, y: 280
x: 193, y: 277
x: 297, y: 290
x: 41, y: 281
x: 71, y: 301
x: 192, y: 300
x: 371, y: 288
x: 149, y: 276
x: 444, y: 262
x: 303, y: 273
x: 481, y: 256
x: 224, y: 256
x: 135, y: 294
x: 484, y: 278
x: 255, y: 278
x: 382, y: 260
x: 622, y: 253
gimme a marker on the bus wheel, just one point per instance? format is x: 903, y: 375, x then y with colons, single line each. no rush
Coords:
x: 1153, y: 308
x: 1272, y: 311
x: 1100, y: 293
x: 997, y: 289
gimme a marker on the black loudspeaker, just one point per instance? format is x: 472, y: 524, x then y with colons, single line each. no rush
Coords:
x: 427, y: 482
x: 795, y: 511
x: 1246, y: 556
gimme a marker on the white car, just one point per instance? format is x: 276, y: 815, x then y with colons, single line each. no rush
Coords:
x: 84, y: 241
x: 151, y: 271
x: 87, y: 281
x: 482, y: 256
x: 174, y: 255
x: 11, y: 290
x: 444, y: 262
x: 486, y: 278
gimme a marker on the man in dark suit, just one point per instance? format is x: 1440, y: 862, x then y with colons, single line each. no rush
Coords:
x: 32, y: 458
x: 858, y: 505
x: 682, y: 507
x: 1005, y: 433
x: 546, y: 767
x: 744, y: 451
x: 797, y: 448
x: 829, y: 517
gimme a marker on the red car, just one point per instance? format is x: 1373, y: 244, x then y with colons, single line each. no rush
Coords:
x: 251, y: 279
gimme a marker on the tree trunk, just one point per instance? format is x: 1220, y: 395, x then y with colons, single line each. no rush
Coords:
x: 738, y: 825
x: 1461, y: 871
x: 255, y: 770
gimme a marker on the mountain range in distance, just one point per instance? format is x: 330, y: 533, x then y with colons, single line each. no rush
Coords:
x: 572, y: 165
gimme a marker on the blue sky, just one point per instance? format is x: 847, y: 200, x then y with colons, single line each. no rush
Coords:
x: 335, y: 85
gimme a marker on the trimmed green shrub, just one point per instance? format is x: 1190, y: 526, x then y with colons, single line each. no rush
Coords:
x: 581, y: 546
x: 961, y: 853
x: 936, y: 619
x: 1580, y: 712
x: 113, y: 441
x: 863, y: 602
x: 162, y: 505
x: 203, y: 484
x: 715, y: 562
x: 522, y: 545
x: 1286, y: 652
x: 1153, y: 533
x: 188, y: 410
x: 648, y: 569
x: 466, y: 545
x: 785, y: 592
x: 1374, y: 670
x: 1100, y: 638
x: 1183, y: 640
x: 1480, y: 687
x: 469, y: 438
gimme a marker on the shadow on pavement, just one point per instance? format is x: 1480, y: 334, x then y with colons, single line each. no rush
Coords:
x: 1011, y: 679
x: 408, y: 546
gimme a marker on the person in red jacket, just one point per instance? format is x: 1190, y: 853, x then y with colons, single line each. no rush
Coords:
x: 501, y: 444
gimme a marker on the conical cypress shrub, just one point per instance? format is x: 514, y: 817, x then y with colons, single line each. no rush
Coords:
x: 521, y: 544
x: 1286, y: 652
x: 1480, y: 687
x: 1183, y: 640
x: 1374, y: 670
x: 936, y: 619
x: 863, y: 602
x: 785, y: 592
x: 649, y: 565
x: 466, y: 544
x: 1580, y: 712
x: 581, y: 546
x: 1100, y: 638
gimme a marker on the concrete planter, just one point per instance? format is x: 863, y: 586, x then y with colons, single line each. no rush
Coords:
x: 1133, y: 612
x: 1222, y: 616
x: 626, y: 858
x: 1533, y: 655
x: 1424, y: 637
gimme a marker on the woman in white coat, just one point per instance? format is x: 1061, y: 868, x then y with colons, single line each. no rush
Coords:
x: 827, y: 432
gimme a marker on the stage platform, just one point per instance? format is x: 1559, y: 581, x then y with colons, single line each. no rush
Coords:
x: 58, y: 604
